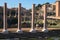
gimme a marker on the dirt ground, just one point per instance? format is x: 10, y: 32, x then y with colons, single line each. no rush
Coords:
x: 27, y: 29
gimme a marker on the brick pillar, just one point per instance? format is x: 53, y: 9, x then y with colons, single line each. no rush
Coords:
x: 19, y: 19
x: 57, y: 8
x: 5, y: 18
x: 45, y: 19
x: 32, y: 21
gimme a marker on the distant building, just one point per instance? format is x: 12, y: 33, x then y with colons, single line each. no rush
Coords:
x: 13, y: 12
x: 52, y: 10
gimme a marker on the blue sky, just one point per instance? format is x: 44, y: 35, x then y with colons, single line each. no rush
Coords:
x: 25, y: 3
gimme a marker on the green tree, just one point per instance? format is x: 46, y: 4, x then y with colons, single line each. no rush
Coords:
x: 30, y: 10
x: 38, y: 6
x: 47, y: 3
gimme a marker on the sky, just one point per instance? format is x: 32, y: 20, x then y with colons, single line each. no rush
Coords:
x: 25, y: 3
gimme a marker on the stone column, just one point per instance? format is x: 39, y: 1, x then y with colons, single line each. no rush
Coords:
x: 5, y: 18
x: 32, y: 21
x: 57, y: 8
x: 19, y: 19
x: 45, y: 19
